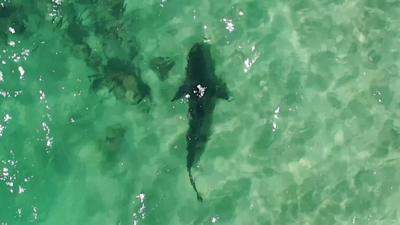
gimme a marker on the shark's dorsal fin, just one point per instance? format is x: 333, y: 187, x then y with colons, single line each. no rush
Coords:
x: 222, y: 90
x: 182, y: 91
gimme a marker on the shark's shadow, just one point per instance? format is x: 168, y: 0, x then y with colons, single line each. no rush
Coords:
x: 201, y: 89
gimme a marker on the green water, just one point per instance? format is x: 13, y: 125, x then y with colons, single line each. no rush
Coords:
x: 311, y: 136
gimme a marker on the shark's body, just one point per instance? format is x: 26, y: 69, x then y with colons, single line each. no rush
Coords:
x: 201, y: 88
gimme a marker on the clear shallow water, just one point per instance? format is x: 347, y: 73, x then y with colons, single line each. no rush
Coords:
x: 310, y: 137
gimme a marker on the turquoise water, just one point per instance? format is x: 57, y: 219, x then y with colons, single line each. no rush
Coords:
x: 311, y: 135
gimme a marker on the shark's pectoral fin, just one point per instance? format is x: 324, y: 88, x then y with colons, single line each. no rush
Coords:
x: 182, y: 91
x: 222, y: 91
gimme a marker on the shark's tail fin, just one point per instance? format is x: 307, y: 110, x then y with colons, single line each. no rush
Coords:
x: 194, y: 185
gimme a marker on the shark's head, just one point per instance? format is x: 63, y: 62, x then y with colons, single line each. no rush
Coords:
x: 200, y: 63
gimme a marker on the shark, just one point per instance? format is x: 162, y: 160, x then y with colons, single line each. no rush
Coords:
x: 201, y: 89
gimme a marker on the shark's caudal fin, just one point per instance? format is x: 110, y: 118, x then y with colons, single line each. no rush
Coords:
x: 194, y: 185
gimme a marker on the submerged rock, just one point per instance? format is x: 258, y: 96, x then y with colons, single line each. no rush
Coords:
x: 117, y: 81
x: 128, y: 87
x: 12, y: 17
x: 162, y: 66
x: 98, y: 82
x: 103, y: 42
x: 117, y: 8
x: 124, y: 87
x: 7, y: 11
x: 114, y: 137
x: 3, y: 38
x: 116, y: 65
x: 126, y: 83
x: 112, y: 149
x: 76, y: 32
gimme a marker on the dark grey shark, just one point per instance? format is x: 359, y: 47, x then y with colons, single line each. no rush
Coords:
x: 201, y: 88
